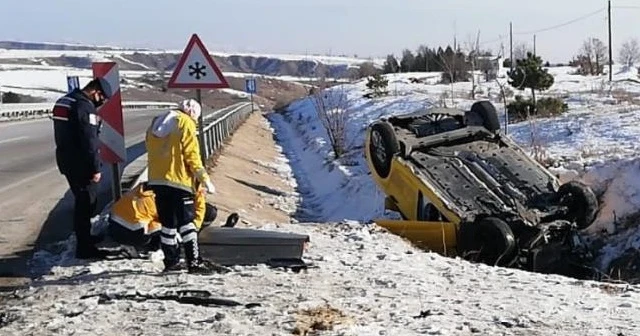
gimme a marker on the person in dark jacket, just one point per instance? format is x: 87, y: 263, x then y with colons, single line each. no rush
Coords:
x: 76, y: 125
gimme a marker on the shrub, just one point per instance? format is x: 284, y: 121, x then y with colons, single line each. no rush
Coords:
x: 549, y: 107
x: 520, y: 109
x: 377, y: 84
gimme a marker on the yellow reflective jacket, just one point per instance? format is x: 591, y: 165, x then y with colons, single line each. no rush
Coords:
x: 200, y: 202
x: 174, y: 153
x: 136, y: 210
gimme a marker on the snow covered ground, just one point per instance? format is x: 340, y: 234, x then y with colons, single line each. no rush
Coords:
x: 50, y: 82
x: 596, y: 141
x: 368, y: 281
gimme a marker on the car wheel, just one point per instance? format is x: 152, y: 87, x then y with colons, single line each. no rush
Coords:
x: 488, y: 114
x: 490, y: 241
x: 581, y: 202
x: 383, y: 145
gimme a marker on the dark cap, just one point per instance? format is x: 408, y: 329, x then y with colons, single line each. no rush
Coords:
x: 105, y: 87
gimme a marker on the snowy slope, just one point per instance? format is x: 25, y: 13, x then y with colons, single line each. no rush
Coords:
x: 595, y: 141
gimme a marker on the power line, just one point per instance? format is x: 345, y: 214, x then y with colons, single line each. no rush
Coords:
x: 562, y: 24
x: 555, y: 26
x: 626, y: 7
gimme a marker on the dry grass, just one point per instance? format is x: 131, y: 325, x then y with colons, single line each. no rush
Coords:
x: 592, y: 152
x: 624, y: 96
x: 320, y: 318
x: 614, y: 288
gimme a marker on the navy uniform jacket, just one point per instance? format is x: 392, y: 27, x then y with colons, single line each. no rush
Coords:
x: 76, y: 126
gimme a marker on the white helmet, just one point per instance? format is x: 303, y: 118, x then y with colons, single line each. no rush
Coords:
x: 191, y: 107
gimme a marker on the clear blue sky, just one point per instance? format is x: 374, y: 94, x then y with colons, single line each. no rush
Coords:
x: 363, y: 27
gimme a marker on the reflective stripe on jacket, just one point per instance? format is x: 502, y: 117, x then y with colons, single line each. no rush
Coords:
x: 136, y: 210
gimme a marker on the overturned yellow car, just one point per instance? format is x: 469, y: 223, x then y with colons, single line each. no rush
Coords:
x: 464, y: 189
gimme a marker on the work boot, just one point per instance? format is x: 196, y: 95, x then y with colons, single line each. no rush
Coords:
x: 232, y: 220
x: 205, y: 267
x: 215, y: 266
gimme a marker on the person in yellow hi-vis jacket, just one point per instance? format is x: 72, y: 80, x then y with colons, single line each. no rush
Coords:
x: 133, y: 219
x: 175, y: 171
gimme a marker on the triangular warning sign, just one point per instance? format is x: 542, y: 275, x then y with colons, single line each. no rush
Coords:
x: 196, y: 69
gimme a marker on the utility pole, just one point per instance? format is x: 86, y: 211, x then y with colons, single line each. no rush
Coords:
x: 511, y: 45
x: 534, y: 45
x: 610, y: 49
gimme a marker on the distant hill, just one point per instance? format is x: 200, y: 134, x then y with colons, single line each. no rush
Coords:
x: 81, y: 56
x: 18, y: 45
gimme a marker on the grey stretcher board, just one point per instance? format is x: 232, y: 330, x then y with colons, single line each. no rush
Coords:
x: 241, y: 246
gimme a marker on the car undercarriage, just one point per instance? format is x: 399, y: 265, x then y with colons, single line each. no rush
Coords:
x: 509, y: 209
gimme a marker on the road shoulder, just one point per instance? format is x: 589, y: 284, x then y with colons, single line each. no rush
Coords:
x: 252, y: 177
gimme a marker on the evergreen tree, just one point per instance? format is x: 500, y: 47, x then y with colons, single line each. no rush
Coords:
x: 391, y: 65
x: 529, y: 73
x: 378, y: 85
x: 10, y: 98
x: 406, y: 64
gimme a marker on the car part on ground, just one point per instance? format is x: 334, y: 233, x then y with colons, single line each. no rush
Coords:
x: 230, y: 246
x: 193, y: 297
x: 462, y: 187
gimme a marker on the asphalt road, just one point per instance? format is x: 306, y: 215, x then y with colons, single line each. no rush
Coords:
x: 35, y: 203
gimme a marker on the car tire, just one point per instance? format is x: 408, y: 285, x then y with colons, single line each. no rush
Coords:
x: 488, y: 114
x: 490, y: 241
x: 581, y: 201
x: 383, y: 145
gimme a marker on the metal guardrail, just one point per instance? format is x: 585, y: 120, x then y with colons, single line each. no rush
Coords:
x: 13, y: 112
x: 224, y: 125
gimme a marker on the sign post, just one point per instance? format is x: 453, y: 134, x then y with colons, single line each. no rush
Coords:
x: 250, y: 87
x: 197, y: 70
x: 112, y: 149
x: 73, y: 82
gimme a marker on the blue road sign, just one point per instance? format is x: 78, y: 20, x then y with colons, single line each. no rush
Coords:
x: 250, y: 85
x: 73, y: 82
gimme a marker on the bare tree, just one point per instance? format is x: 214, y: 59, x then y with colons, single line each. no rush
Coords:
x: 473, y: 50
x: 454, y: 67
x: 331, y: 108
x: 448, y: 64
x: 592, y: 57
x: 520, y: 50
x: 629, y: 52
x: 367, y: 69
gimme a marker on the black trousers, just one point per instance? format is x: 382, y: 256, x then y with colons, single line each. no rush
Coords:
x: 85, y: 193
x: 176, y: 212
x: 137, y: 239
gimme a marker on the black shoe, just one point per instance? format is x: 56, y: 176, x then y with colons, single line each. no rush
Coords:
x: 174, y: 267
x: 91, y: 253
x: 232, y: 220
x: 206, y: 267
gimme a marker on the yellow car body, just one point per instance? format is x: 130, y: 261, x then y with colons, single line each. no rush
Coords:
x: 403, y: 188
x: 438, y: 214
